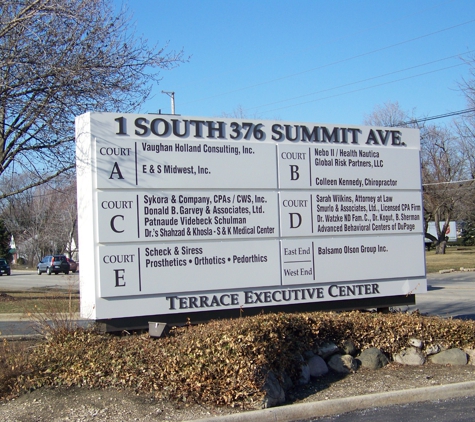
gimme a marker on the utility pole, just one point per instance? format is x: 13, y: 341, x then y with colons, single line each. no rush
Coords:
x: 172, y: 98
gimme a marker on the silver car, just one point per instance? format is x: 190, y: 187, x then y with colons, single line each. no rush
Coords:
x: 53, y: 264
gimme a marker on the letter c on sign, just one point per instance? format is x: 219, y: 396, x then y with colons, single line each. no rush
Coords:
x: 113, y: 223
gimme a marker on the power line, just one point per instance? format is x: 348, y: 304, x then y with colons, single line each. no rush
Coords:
x: 365, y: 80
x: 365, y: 88
x: 439, y: 116
x: 297, y: 53
x: 447, y: 183
x: 332, y: 63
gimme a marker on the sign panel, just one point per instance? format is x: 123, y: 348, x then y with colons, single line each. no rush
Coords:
x: 177, y: 215
x: 184, y: 214
x: 451, y: 231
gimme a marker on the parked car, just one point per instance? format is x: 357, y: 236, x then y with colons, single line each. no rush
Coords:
x: 53, y: 264
x: 73, y: 265
x: 4, y: 267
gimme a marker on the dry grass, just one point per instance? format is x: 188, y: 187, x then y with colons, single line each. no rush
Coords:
x: 28, y: 302
x: 455, y: 257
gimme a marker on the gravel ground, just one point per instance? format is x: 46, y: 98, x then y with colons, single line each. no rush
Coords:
x: 79, y: 404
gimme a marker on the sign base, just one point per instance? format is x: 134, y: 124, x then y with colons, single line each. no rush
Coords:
x: 143, y: 322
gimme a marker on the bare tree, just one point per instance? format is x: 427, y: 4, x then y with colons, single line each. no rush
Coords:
x: 59, y: 59
x: 43, y: 219
x: 445, y: 167
x: 239, y: 112
x: 444, y: 175
x: 389, y: 115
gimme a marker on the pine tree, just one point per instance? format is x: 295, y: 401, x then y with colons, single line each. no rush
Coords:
x: 4, y: 242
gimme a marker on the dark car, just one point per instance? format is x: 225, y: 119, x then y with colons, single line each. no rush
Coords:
x: 73, y: 265
x: 53, y: 264
x: 4, y: 267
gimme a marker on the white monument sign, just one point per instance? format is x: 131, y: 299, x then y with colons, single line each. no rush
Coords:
x: 188, y: 214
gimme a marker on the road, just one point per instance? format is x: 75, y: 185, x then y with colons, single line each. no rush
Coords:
x: 454, y: 410
x: 448, y: 295
x: 18, y: 281
x: 27, y: 280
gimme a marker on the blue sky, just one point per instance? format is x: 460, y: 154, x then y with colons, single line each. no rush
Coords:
x: 311, y: 61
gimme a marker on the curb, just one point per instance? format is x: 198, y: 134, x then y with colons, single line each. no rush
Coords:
x: 311, y: 410
x: 13, y: 317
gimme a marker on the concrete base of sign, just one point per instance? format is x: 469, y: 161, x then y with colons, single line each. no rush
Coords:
x: 143, y: 322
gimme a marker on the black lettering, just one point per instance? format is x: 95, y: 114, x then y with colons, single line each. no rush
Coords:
x: 154, y: 127
x: 212, y: 129
x: 116, y: 171
x: 122, y: 128
x: 288, y: 133
x: 176, y: 131
x: 113, y: 224
x: 310, y: 136
x: 139, y: 124
x: 276, y: 130
x: 119, y: 277
x: 333, y: 137
x: 294, y: 173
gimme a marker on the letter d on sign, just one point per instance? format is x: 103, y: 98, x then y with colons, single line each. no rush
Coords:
x: 295, y: 220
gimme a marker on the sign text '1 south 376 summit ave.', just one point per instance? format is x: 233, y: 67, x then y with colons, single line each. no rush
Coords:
x: 179, y: 215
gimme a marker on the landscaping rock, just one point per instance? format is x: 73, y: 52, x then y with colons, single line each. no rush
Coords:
x: 432, y: 349
x: 343, y: 364
x: 471, y: 356
x: 275, y: 394
x: 450, y: 357
x: 318, y: 367
x: 373, y: 358
x: 304, y: 374
x: 414, y: 342
x: 286, y: 381
x: 327, y: 349
x: 307, y: 355
x: 348, y: 348
x: 450, y: 270
x: 410, y: 356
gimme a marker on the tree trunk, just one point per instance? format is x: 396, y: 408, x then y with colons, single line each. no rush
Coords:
x: 440, y: 248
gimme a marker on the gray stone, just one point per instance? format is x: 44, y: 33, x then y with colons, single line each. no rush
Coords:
x: 450, y: 357
x: 343, y: 364
x: 327, y: 349
x: 410, y: 356
x: 471, y: 356
x: 415, y: 342
x: 318, y: 367
x: 307, y: 355
x: 373, y: 358
x: 304, y: 374
x: 432, y: 349
x: 275, y: 394
x: 287, y: 381
x: 348, y: 348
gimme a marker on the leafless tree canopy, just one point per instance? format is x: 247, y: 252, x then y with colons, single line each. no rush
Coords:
x: 59, y: 59
x: 390, y: 114
x: 43, y: 219
x: 446, y: 165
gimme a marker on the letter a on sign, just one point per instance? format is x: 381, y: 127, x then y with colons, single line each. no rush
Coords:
x: 116, y: 171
